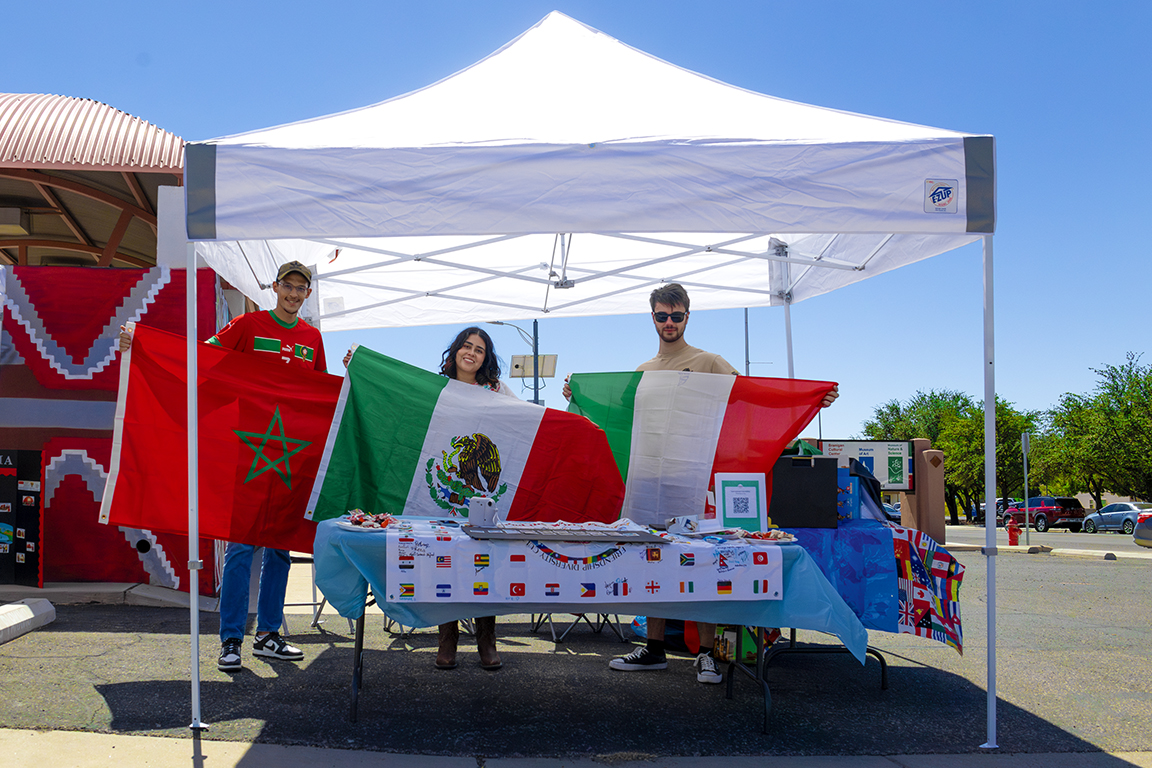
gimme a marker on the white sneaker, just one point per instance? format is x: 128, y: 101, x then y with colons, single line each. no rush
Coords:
x: 706, y: 669
x: 229, y: 660
x: 273, y: 646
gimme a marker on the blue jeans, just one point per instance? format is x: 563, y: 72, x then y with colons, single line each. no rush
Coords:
x: 234, y: 590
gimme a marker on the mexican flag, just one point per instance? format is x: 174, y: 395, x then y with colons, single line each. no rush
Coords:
x: 670, y: 431
x: 404, y: 440
x: 262, y: 426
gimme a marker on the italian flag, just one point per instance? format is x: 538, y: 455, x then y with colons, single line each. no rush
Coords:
x: 404, y: 440
x: 670, y: 431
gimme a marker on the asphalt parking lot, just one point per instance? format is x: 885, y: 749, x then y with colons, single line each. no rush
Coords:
x: 1075, y: 675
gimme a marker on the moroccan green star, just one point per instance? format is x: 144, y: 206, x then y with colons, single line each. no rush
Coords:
x: 273, y: 434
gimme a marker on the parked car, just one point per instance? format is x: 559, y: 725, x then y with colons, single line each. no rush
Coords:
x: 1143, y: 533
x: 892, y: 513
x: 1010, y: 504
x: 1121, y: 516
x: 1000, y: 504
x: 1050, y: 512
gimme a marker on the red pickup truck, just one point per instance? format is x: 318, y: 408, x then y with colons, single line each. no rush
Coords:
x: 1051, y: 512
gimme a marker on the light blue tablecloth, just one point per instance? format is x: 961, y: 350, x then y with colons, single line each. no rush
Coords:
x: 348, y: 561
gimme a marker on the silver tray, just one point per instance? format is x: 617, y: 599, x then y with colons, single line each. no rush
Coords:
x: 506, y: 533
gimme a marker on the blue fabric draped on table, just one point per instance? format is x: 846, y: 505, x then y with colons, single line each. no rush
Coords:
x: 857, y: 558
x: 348, y: 561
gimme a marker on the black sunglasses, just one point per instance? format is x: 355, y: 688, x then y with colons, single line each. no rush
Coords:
x: 662, y: 317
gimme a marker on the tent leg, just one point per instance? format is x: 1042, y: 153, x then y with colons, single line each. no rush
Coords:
x: 990, y: 485
x: 788, y: 334
x: 194, y: 561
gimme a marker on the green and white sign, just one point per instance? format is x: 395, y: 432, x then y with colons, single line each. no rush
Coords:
x: 889, y: 462
x: 741, y: 501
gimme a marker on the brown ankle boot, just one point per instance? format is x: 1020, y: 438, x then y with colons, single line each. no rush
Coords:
x: 486, y: 642
x: 449, y: 637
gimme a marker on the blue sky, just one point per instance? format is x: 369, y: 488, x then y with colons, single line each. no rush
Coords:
x: 1063, y: 87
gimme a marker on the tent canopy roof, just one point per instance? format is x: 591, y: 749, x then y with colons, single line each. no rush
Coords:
x: 445, y: 203
x: 562, y: 82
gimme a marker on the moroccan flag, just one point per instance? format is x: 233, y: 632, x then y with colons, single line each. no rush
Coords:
x: 261, y: 426
x: 670, y: 431
x: 406, y: 440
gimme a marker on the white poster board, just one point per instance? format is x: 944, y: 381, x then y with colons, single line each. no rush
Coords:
x: 889, y: 462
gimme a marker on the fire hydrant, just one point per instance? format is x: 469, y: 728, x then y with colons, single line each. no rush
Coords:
x: 1013, y: 532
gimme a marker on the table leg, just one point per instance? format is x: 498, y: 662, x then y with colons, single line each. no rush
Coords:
x: 883, y: 668
x: 357, y: 666
x: 738, y: 665
x: 793, y: 647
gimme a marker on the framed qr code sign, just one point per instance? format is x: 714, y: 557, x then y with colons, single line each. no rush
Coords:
x: 741, y: 500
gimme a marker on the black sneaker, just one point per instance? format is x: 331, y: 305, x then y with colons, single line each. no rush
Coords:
x: 639, y: 660
x: 229, y: 660
x: 273, y: 646
x: 706, y: 671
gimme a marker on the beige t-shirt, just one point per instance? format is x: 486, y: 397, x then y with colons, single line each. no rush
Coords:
x: 689, y: 359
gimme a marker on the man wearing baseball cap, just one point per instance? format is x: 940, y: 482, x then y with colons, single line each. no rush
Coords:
x: 278, y: 334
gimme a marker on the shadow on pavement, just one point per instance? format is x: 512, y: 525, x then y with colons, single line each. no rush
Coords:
x: 1072, y: 659
x: 566, y: 702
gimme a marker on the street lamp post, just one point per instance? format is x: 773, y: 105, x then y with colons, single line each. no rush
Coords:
x: 1027, y: 509
x: 536, y: 362
x: 534, y: 342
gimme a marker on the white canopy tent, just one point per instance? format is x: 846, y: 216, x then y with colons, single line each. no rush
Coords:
x: 567, y: 174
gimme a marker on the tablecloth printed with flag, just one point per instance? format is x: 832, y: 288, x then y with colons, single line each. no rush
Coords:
x: 929, y: 581
x: 434, y: 560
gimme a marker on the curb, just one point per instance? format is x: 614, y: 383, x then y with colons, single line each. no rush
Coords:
x: 1020, y: 549
x: 24, y: 616
x: 104, y: 593
x: 80, y: 749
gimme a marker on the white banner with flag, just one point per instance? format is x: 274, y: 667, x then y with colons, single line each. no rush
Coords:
x: 434, y: 560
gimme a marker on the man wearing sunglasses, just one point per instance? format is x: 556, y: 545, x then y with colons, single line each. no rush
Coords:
x: 670, y: 314
x: 278, y: 335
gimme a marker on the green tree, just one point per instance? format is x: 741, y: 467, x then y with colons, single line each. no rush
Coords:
x: 954, y: 422
x: 923, y: 416
x: 1112, y: 429
x: 963, y: 445
x: 1070, y: 457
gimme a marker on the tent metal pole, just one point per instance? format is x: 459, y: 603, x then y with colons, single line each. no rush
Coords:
x: 747, y: 355
x: 536, y: 362
x: 194, y: 561
x: 788, y: 333
x: 990, y: 485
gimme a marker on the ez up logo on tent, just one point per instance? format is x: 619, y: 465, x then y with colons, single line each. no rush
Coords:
x: 940, y: 195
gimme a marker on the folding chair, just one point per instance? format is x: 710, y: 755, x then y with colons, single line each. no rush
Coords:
x: 602, y: 620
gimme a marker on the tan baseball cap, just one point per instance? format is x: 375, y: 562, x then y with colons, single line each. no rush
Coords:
x: 294, y: 266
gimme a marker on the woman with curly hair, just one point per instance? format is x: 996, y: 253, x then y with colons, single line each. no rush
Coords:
x: 471, y: 359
